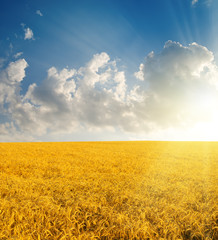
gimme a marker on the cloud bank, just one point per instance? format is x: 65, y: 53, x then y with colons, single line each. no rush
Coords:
x: 175, y: 89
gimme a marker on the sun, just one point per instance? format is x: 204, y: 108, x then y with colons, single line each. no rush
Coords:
x: 200, y: 119
x: 206, y: 126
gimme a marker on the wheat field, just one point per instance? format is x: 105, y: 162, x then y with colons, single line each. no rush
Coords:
x: 109, y: 190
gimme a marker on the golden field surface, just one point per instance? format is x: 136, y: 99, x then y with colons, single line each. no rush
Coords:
x: 109, y: 190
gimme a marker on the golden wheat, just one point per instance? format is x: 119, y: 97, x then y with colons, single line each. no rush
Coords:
x: 109, y: 190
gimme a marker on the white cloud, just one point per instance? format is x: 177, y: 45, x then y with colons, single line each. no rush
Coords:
x: 120, y: 91
x: 69, y: 99
x: 175, y: 80
x: 17, y: 55
x: 28, y: 34
x: 178, y: 88
x: 204, y: 2
x: 39, y: 13
x: 140, y: 75
x: 16, y: 70
x: 10, y: 79
x: 194, y: 2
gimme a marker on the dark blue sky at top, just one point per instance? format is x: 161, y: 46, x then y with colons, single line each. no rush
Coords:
x: 70, y: 32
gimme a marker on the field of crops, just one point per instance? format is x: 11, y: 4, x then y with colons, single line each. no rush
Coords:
x: 109, y: 190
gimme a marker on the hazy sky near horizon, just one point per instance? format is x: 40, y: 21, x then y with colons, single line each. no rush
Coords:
x: 90, y: 70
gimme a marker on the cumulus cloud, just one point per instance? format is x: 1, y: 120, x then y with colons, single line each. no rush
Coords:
x: 28, y: 34
x: 176, y: 89
x: 10, y: 79
x: 175, y: 80
x: 91, y: 96
x: 38, y: 12
x: 67, y: 100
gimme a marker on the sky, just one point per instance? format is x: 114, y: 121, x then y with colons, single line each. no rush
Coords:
x: 93, y: 70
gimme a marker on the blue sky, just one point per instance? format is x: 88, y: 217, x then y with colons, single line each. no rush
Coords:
x: 70, y: 32
x: 54, y: 45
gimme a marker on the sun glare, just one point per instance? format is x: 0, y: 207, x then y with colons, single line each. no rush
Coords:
x: 199, y: 121
x: 206, y: 117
